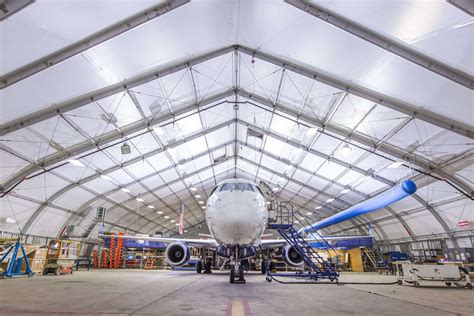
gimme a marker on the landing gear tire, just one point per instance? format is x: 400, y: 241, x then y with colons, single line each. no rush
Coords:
x: 448, y: 283
x: 241, y: 274
x: 269, y: 279
x: 469, y: 286
x: 57, y: 271
x: 199, y: 267
x: 232, y: 274
x: 416, y: 284
x: 264, y: 267
x: 399, y: 282
x: 207, y: 267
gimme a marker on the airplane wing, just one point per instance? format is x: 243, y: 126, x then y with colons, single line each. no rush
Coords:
x: 202, y: 243
x: 275, y: 243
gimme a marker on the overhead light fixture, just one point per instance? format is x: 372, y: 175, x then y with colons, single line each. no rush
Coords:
x: 176, y: 224
x: 106, y: 177
x: 125, y: 190
x: 276, y: 189
x: 201, y: 202
x: 139, y: 199
x: 197, y: 196
x: 166, y: 216
x: 203, y: 207
x: 192, y: 188
x: 311, y: 131
x: 188, y: 181
x: 125, y: 149
x: 76, y: 163
x: 318, y: 207
x: 309, y: 213
x: 302, y: 218
x: 10, y: 220
x: 159, y: 130
x: 330, y: 200
x: 346, y: 150
x: 395, y: 164
x: 159, y: 212
x: 172, y: 221
x: 150, y: 206
x: 345, y: 191
x: 185, y: 230
x: 268, y: 202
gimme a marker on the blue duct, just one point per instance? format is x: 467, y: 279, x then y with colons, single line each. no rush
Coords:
x: 384, y: 199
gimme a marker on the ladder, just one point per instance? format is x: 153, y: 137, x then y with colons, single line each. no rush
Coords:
x: 374, y: 258
x: 118, y: 260
x: 319, y: 268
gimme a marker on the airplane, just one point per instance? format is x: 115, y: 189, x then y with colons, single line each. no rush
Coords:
x: 237, y: 215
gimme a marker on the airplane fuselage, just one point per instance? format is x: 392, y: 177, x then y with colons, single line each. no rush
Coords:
x: 236, y: 213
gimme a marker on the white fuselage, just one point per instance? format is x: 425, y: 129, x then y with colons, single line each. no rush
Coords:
x: 236, y: 216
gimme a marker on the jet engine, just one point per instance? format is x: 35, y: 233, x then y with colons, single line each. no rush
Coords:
x: 291, y: 256
x: 177, y: 254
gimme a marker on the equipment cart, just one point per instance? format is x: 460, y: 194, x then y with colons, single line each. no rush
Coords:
x: 61, y: 257
x: 450, y: 273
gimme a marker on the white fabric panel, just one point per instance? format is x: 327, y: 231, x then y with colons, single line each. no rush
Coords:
x: 325, y: 144
x: 455, y: 212
x: 254, y: 115
x: 218, y: 114
x: 405, y: 204
x: 140, y: 169
x: 47, y: 26
x: 43, y: 88
x: 75, y: 173
x: 371, y: 185
x: 311, y: 162
x: 214, y: 75
x: 15, y: 212
x: 435, y: 27
x: 73, y: 198
x: 380, y: 122
x: 394, y: 229
x: 467, y: 174
x: 9, y: 165
x: 436, y: 191
x: 49, y: 223
x: 330, y: 170
x: 41, y: 187
x: 100, y: 185
x: 119, y: 196
x: 430, y: 224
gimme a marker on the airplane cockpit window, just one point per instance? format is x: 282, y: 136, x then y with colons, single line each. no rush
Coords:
x: 237, y: 187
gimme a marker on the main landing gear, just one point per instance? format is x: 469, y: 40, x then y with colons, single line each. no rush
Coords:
x: 206, y: 266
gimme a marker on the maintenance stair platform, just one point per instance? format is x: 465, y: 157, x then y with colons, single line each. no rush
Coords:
x: 315, y: 266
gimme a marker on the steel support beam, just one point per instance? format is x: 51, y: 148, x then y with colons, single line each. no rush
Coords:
x: 189, y: 175
x: 363, y: 92
x: 115, y: 168
x: 385, y: 42
x: 361, y: 139
x: 90, y: 41
x: 467, y: 6
x: 355, y: 168
x: 109, y: 137
x: 74, y: 103
x: 10, y: 7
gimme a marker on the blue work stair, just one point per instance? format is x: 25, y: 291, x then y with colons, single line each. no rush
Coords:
x: 317, y: 266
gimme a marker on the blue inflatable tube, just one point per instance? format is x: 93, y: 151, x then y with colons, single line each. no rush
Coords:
x: 384, y: 199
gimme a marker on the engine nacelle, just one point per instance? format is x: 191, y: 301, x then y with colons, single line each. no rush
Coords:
x: 291, y: 256
x: 177, y: 254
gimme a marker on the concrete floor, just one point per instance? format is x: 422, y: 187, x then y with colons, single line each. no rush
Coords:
x: 187, y: 293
